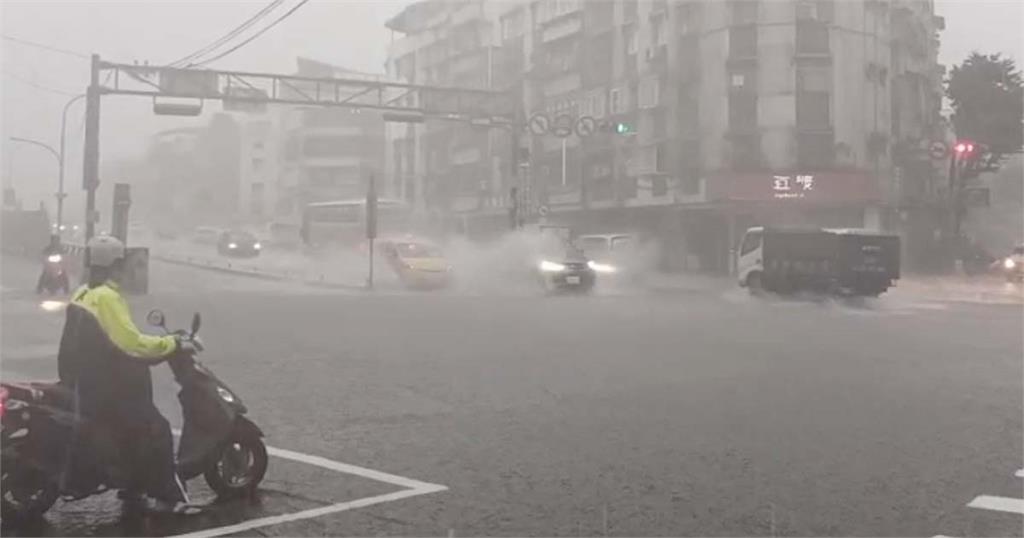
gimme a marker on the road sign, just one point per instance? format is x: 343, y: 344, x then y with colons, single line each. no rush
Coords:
x: 539, y: 124
x: 542, y: 210
x: 563, y: 125
x: 252, y: 100
x: 937, y: 150
x: 585, y: 126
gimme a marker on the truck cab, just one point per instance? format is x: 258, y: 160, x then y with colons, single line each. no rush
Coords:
x: 750, y: 257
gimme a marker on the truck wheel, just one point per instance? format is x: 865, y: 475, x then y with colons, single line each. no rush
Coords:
x: 754, y: 284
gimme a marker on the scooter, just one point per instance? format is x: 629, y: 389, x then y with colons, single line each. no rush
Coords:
x: 38, y: 423
x: 54, y: 276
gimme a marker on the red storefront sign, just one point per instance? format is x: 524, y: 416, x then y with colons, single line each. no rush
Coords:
x: 825, y: 187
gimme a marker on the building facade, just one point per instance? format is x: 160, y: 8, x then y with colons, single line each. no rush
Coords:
x: 325, y: 153
x: 727, y: 114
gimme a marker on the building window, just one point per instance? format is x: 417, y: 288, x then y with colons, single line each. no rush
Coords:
x: 743, y: 41
x: 812, y: 111
x: 814, y: 78
x: 815, y: 151
x: 743, y: 79
x: 746, y: 152
x: 811, y: 37
x: 815, y: 10
x: 629, y: 9
x: 658, y: 31
x: 661, y: 158
x: 616, y: 103
x: 648, y: 94
x: 742, y: 111
x: 257, y: 145
x: 743, y: 11
x: 257, y: 165
x: 630, y: 37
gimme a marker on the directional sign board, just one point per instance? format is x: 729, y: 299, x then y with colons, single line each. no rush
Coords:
x: 240, y: 99
x: 539, y: 124
x: 563, y: 125
x: 585, y: 126
x: 937, y: 150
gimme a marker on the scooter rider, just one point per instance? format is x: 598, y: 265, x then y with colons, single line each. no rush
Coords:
x: 53, y: 247
x: 105, y: 359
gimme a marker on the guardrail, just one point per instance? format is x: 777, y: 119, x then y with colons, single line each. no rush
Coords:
x: 227, y: 267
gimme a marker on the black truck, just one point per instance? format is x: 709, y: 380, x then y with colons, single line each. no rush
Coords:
x: 844, y: 262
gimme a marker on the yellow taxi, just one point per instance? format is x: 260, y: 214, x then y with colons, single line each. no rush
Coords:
x: 417, y: 263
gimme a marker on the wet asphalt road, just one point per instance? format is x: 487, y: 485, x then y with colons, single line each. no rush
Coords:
x: 698, y: 412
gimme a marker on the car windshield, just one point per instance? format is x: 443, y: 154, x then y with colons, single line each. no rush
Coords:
x: 416, y: 250
x: 241, y: 237
x: 594, y: 246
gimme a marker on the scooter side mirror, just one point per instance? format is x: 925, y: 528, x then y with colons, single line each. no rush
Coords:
x: 156, y: 319
x: 196, y: 322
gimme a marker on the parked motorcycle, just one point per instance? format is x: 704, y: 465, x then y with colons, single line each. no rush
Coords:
x: 38, y: 423
x: 54, y: 278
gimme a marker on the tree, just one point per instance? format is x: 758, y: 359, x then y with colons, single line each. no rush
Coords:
x: 987, y: 99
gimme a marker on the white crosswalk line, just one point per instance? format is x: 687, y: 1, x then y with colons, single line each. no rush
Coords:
x: 998, y: 504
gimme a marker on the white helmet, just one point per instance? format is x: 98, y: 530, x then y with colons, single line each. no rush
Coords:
x: 104, y: 250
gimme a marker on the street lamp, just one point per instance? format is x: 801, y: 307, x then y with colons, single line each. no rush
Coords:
x: 59, y: 155
x: 60, y: 169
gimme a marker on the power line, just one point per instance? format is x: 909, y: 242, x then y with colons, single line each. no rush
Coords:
x: 45, y: 47
x: 251, y: 38
x: 36, y: 85
x: 230, y: 35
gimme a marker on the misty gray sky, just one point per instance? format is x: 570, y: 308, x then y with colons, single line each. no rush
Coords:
x: 344, y: 32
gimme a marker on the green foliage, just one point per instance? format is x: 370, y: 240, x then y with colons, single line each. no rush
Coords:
x: 987, y: 99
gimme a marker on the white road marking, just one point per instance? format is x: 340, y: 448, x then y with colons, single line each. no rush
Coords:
x: 308, y: 514
x: 346, y: 468
x: 999, y: 504
x: 413, y: 488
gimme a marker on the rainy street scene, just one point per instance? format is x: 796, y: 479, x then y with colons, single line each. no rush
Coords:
x: 512, y: 268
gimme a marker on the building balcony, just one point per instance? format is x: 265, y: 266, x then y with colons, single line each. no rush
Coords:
x: 562, y: 29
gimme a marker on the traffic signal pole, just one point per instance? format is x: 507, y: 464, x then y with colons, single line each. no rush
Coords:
x: 91, y: 158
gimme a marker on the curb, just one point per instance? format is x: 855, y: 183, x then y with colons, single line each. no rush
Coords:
x: 207, y: 265
x: 188, y: 262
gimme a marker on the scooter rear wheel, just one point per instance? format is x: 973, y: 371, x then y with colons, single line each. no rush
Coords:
x: 240, y: 467
x: 26, y: 493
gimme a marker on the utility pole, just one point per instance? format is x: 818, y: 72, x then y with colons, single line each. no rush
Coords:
x: 91, y: 157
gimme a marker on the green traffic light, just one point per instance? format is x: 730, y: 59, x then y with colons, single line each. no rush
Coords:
x: 622, y: 128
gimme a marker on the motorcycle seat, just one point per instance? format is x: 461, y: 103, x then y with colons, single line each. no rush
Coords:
x: 51, y: 392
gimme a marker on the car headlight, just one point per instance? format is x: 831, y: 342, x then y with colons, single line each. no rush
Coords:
x: 601, y: 267
x: 551, y: 267
x: 257, y: 246
x: 1009, y: 263
x: 232, y: 245
x: 54, y: 258
x: 225, y: 395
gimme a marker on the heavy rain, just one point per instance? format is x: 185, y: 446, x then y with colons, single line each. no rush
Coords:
x: 512, y: 267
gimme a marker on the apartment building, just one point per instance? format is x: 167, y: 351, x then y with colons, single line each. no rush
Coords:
x: 812, y: 112
x: 325, y: 153
x: 446, y: 167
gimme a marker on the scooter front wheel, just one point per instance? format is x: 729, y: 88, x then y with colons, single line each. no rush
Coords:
x: 240, y: 467
x: 27, y: 493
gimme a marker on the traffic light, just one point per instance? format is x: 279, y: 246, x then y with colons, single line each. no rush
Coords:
x: 616, y: 127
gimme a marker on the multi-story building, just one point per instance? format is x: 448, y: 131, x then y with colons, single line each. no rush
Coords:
x: 326, y: 153
x: 735, y: 113
x: 449, y: 167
